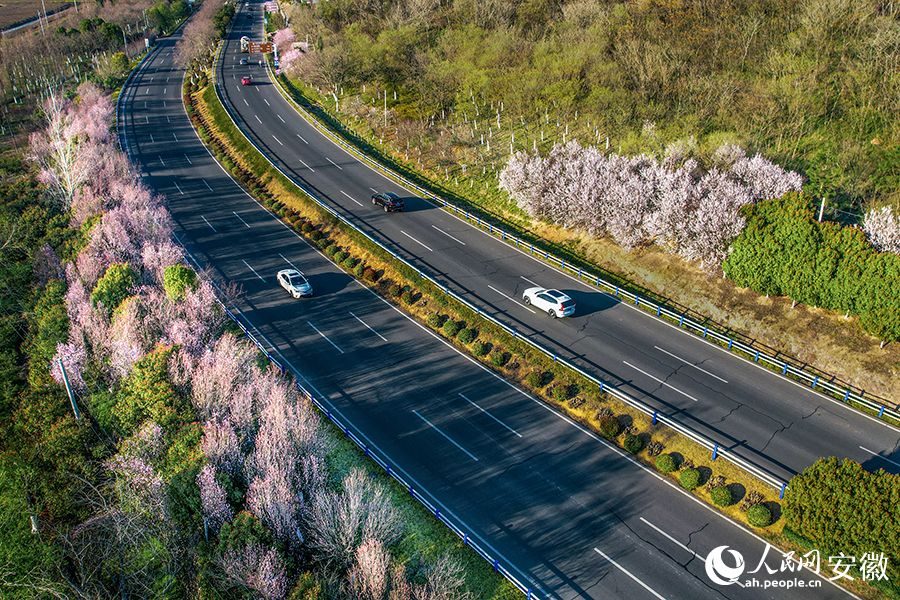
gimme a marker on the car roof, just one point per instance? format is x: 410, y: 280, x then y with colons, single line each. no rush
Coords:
x: 290, y: 272
x: 558, y: 295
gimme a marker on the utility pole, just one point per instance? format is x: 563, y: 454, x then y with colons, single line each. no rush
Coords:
x: 822, y: 209
x: 69, y: 391
x: 385, y: 108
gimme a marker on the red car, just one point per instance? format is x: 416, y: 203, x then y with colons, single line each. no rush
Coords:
x: 246, y: 80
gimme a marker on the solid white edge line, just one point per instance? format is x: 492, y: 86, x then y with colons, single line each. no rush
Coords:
x: 489, y: 414
x: 511, y: 299
x: 367, y: 326
x: 447, y: 437
x: 690, y: 364
x: 416, y: 241
x: 660, y: 381
x: 325, y: 337
x: 627, y: 572
x: 875, y: 454
x: 455, y: 239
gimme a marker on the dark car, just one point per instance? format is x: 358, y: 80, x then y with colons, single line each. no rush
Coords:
x: 389, y: 201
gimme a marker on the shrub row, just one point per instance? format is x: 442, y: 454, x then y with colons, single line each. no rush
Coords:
x: 785, y: 251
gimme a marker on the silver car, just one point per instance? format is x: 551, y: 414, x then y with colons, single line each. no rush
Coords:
x: 295, y: 283
x: 553, y: 302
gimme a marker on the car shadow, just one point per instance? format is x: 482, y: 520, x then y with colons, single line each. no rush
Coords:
x: 587, y: 303
x: 415, y: 204
x: 328, y: 283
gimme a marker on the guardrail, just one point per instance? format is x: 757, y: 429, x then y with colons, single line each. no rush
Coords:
x: 819, y: 382
x: 382, y: 462
x: 714, y: 447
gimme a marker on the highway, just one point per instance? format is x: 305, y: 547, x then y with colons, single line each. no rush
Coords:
x: 569, y: 515
x: 774, y: 423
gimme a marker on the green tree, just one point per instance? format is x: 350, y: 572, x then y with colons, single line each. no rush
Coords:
x: 147, y: 393
x: 114, y: 286
x: 177, y: 280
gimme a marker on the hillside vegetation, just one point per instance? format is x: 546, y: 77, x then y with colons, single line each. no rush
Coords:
x: 812, y: 85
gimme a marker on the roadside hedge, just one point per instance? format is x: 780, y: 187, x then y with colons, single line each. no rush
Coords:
x: 784, y: 251
x: 841, y: 507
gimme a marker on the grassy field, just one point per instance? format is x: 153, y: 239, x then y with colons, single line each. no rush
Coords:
x: 13, y: 11
x: 454, y: 161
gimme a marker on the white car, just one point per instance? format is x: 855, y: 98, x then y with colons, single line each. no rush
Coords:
x: 552, y: 302
x: 294, y: 282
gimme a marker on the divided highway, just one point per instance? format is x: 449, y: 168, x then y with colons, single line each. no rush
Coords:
x: 772, y: 422
x: 569, y: 515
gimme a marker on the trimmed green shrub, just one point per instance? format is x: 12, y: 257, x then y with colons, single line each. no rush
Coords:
x: 561, y: 392
x: 322, y: 243
x: 534, y: 379
x: 332, y: 249
x: 350, y: 262
x: 666, y: 463
x: 340, y: 257
x: 114, y: 286
x: 499, y: 358
x: 408, y: 297
x: 177, y: 279
x: 721, y: 496
x: 306, y: 227
x: 452, y: 328
x: 467, y: 336
x: 435, y: 320
x: 759, y: 515
x: 610, y: 426
x: 359, y: 270
x: 689, y: 478
x: 480, y: 348
x: 632, y: 443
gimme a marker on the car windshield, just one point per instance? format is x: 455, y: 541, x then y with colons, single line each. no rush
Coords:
x: 296, y: 279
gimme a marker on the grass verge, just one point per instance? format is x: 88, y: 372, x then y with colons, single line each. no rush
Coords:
x: 556, y: 385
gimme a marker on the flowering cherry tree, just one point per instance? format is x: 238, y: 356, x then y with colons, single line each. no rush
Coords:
x: 882, y: 227
x: 638, y: 200
x: 213, y: 499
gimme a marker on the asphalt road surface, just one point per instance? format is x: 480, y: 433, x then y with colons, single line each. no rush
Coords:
x: 566, y: 513
x: 778, y: 425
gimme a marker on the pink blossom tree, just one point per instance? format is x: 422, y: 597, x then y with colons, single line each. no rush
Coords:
x: 368, y: 577
x: 639, y: 199
x: 257, y: 568
x: 882, y: 227
x: 213, y: 499
x: 338, y: 522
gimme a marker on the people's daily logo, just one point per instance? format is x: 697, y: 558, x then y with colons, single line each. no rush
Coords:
x: 721, y: 573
